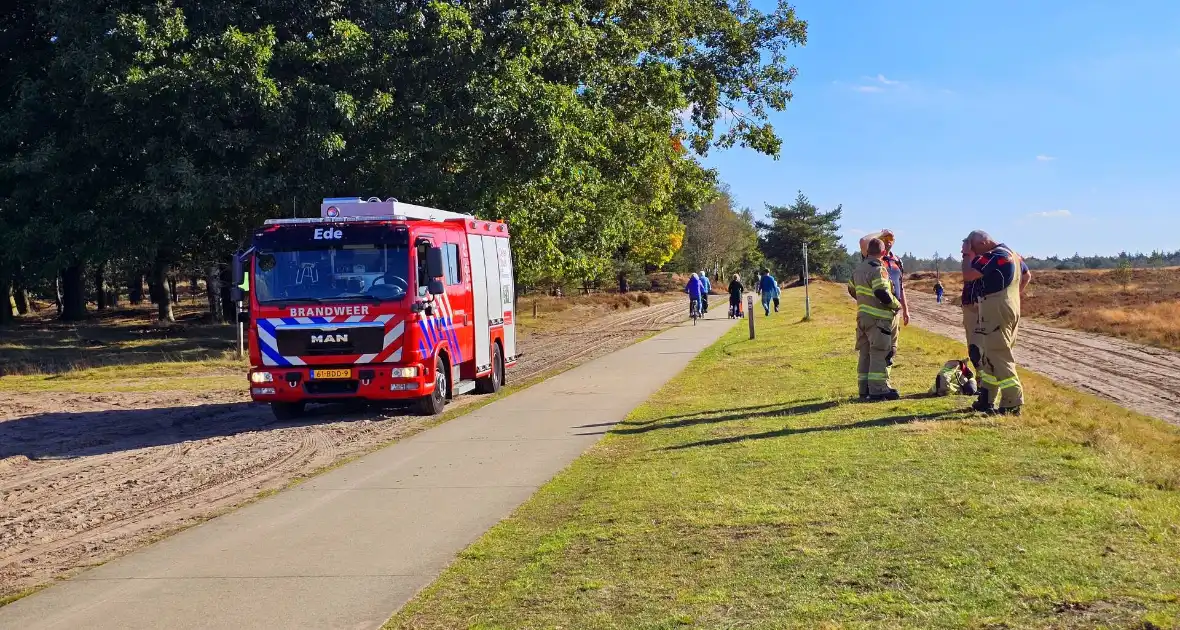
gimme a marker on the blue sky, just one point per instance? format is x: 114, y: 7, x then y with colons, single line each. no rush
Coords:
x: 1055, y: 125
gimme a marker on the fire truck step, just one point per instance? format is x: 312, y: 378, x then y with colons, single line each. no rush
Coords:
x: 463, y: 387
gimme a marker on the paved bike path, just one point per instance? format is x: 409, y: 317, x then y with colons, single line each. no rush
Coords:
x: 348, y: 548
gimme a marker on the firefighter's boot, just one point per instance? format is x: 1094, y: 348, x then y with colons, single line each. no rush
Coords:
x: 982, y: 401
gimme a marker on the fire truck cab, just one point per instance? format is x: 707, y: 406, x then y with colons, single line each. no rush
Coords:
x: 377, y: 301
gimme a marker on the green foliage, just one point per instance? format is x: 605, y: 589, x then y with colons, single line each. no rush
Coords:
x: 1122, y: 273
x: 131, y: 128
x: 802, y: 222
x: 719, y: 238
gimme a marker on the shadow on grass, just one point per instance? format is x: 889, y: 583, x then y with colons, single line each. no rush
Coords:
x: 698, y: 414
x: 764, y: 411
x: 787, y: 431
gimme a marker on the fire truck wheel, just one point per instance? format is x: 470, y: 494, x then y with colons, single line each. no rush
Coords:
x: 434, y: 404
x: 491, y: 383
x: 287, y: 411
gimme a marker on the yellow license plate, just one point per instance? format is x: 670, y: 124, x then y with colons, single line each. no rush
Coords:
x: 329, y: 374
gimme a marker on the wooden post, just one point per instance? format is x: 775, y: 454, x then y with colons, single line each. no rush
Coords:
x: 750, y: 313
x: 534, y: 309
x: 806, y: 287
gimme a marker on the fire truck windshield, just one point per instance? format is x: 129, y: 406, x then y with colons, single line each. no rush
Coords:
x: 332, y: 273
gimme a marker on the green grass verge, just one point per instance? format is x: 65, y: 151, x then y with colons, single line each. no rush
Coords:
x: 751, y: 492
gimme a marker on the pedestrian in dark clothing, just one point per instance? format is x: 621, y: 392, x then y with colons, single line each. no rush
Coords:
x: 735, y: 296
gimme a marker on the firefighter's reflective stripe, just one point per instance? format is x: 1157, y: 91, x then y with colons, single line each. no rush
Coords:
x: 992, y: 381
x: 879, y: 313
x: 877, y: 376
x: 245, y: 286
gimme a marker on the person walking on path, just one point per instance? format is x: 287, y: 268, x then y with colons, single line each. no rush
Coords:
x: 1002, y: 275
x: 693, y: 289
x: 706, y: 286
x: 876, y: 323
x: 938, y: 291
x: 766, y: 288
x: 735, y: 296
x: 777, y: 293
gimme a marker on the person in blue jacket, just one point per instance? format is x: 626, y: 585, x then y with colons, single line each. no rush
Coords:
x: 768, y: 289
x: 706, y: 286
x: 693, y: 289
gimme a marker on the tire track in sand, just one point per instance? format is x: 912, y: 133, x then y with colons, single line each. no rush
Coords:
x: 1132, y: 375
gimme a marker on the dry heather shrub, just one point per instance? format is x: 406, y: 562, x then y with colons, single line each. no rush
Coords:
x: 643, y: 299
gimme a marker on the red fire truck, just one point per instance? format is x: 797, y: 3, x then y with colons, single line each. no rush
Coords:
x: 378, y: 301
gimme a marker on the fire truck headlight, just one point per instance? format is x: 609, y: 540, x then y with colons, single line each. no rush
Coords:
x: 261, y: 377
x: 404, y: 372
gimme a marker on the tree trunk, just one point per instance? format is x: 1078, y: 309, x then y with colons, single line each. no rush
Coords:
x: 228, y: 307
x: 20, y: 295
x: 623, y: 286
x: 159, y: 290
x: 73, y: 293
x: 193, y: 282
x: 6, y: 311
x: 135, y: 288
x: 57, y: 301
x: 172, y: 290
x: 213, y: 294
x: 100, y: 292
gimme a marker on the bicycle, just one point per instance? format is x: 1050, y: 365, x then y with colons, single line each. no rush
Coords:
x: 694, y: 310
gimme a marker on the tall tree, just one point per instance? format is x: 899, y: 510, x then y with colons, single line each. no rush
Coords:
x: 789, y: 227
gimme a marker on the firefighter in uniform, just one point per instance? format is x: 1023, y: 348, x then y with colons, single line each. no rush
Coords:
x: 1001, y: 275
x: 876, y: 323
x: 970, y: 304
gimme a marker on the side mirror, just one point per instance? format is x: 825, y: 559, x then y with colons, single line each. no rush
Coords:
x: 437, y: 288
x: 434, y: 265
x: 237, y: 276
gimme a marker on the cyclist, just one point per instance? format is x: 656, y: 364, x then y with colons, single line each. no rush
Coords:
x: 706, y: 287
x: 694, y: 289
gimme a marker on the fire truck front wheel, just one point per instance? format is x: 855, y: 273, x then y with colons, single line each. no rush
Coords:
x: 434, y: 404
x: 284, y: 411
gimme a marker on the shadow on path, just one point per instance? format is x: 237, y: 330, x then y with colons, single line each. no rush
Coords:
x: 786, y: 431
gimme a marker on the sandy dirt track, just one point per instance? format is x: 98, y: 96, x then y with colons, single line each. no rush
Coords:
x: 1137, y: 377
x: 85, y: 478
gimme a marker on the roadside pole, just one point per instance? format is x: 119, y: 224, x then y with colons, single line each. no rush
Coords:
x: 806, y: 287
x: 750, y: 313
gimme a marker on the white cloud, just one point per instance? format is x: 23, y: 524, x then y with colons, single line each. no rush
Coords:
x: 1045, y: 158
x: 879, y: 83
x: 1052, y: 214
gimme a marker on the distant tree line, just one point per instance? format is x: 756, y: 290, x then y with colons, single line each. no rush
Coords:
x: 141, y: 141
x: 1140, y: 260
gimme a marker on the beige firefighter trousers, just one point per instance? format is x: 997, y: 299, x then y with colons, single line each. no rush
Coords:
x: 970, y: 323
x: 999, y: 319
x: 875, y: 340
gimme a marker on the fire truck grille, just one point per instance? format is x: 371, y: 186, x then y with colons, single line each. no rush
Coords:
x: 315, y: 341
x: 330, y: 388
